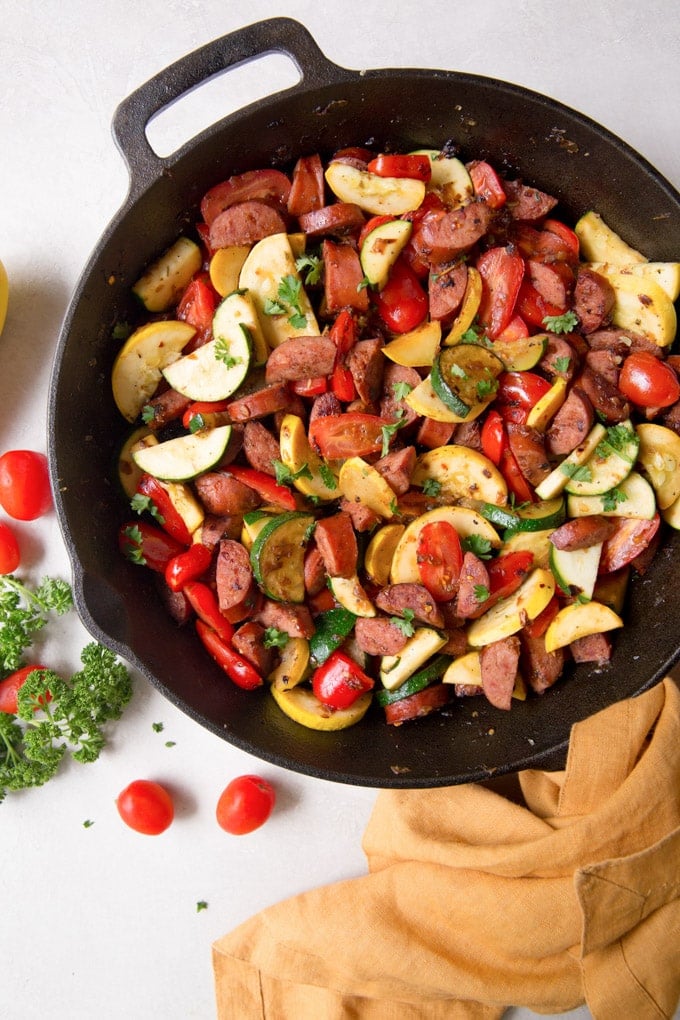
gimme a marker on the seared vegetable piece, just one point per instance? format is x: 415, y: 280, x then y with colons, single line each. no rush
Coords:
x: 277, y: 556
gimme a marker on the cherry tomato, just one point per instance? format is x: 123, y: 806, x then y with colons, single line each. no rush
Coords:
x: 493, y: 437
x: 25, y: 492
x: 533, y: 308
x: 507, y: 572
x: 187, y: 566
x: 418, y: 167
x: 402, y: 303
x: 10, y: 687
x: 502, y: 272
x: 568, y: 237
x: 515, y: 480
x: 339, y: 436
x: 245, y: 804
x: 648, y: 382
x: 487, y: 184
x: 630, y: 538
x: 340, y: 681
x: 10, y: 555
x: 439, y: 557
x: 517, y: 393
x: 197, y: 307
x: 146, y: 807
x: 515, y: 329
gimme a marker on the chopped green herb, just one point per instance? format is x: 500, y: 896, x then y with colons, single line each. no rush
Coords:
x: 196, y: 423
x: 431, y: 487
x: 578, y: 472
x: 478, y: 545
x: 284, y: 475
x: 327, y: 476
x: 275, y: 638
x: 401, y: 390
x: 170, y: 743
x: 201, y: 905
x: 88, y: 823
x: 405, y: 623
x: 481, y: 592
x: 24, y: 611
x: 148, y: 413
x: 133, y: 546
x: 618, y: 437
x: 611, y: 499
x: 311, y: 266
x: 144, y: 504
x: 222, y: 353
x: 298, y: 320
x: 562, y: 364
x: 561, y: 323
x: 289, y: 290
x: 486, y: 387
x: 475, y: 335
x: 388, y: 431
x: 273, y: 307
x: 157, y: 727
x: 456, y: 370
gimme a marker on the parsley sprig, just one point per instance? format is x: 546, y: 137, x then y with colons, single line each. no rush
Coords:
x: 289, y: 296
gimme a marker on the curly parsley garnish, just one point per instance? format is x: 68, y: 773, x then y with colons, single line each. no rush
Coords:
x: 611, y: 499
x: 566, y: 323
x: 144, y: 504
x: 275, y: 638
x: 577, y: 472
x: 481, y: 547
x: 223, y: 354
x: 311, y: 266
x: 405, y: 622
x: 289, y: 297
x: 431, y: 487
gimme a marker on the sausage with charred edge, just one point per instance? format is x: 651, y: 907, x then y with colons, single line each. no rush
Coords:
x: 379, y: 636
x: 337, y: 220
x: 233, y: 575
x: 260, y: 403
x: 337, y: 543
x: 540, y: 668
x: 300, y: 357
x: 581, y: 532
x: 221, y: 494
x: 571, y: 424
x: 499, y: 663
x: 245, y: 224
x: 248, y: 640
x: 366, y: 363
x: 525, y: 203
x: 593, y: 301
x: 260, y: 447
x: 398, y: 599
x: 294, y: 620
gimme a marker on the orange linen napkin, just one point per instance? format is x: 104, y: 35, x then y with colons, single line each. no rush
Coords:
x: 473, y: 902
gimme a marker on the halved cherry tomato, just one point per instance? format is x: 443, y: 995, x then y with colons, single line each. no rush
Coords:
x: 340, y: 681
x: 197, y: 307
x: 343, y: 333
x: 339, y: 436
x: 25, y: 492
x: 493, y: 437
x: 502, y: 272
x: 146, y: 807
x: 147, y: 545
x: 517, y: 393
x: 264, y: 185
x: 166, y: 513
x: 238, y: 669
x: 204, y: 603
x: 418, y: 167
x: 10, y: 687
x: 265, y: 486
x: 648, y: 382
x: 187, y: 566
x: 552, y: 246
x: 515, y: 329
x: 245, y: 804
x: 630, y: 538
x: 517, y: 484
x: 487, y: 184
x: 402, y: 304
x: 10, y: 555
x: 309, y: 387
x: 439, y: 556
x: 507, y: 571
x: 565, y: 234
x: 308, y: 186
x: 533, y: 308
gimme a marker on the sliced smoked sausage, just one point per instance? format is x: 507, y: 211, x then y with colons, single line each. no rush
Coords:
x: 221, y: 493
x: 593, y: 299
x: 337, y: 543
x: 396, y: 599
x: 233, y: 575
x: 581, y: 532
x: 301, y: 357
x: 379, y: 636
x: 499, y: 662
x: 245, y: 223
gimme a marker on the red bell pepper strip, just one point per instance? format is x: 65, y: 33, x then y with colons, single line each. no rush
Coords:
x: 402, y: 304
x: 197, y: 307
x: 507, y: 572
x: 265, y: 486
x: 203, y: 601
x: 537, y: 627
x: 147, y: 545
x: 309, y: 387
x: 167, y: 514
x: 415, y: 166
x: 487, y: 184
x: 204, y: 413
x: 187, y: 566
x: 340, y: 681
x: 343, y: 334
x: 239, y: 670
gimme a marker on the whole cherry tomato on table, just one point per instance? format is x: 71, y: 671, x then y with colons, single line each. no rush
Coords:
x: 10, y: 555
x: 648, y: 382
x: 25, y: 491
x: 245, y: 804
x: 146, y: 807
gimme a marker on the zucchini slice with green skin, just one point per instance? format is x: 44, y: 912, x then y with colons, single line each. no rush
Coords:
x: 634, y: 497
x: 215, y: 370
x: 546, y: 513
x: 163, y: 282
x: 277, y: 556
x: 396, y: 669
x: 178, y: 460
x: 575, y: 570
x: 434, y: 670
x: 610, y: 463
x: 554, y: 484
x: 464, y: 375
x: 332, y: 628
x: 521, y: 354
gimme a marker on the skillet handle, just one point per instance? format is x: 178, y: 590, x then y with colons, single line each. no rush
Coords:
x: 275, y: 35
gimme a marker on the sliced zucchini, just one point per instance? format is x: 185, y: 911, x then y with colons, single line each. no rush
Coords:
x: 450, y: 177
x: 464, y: 519
x: 522, y: 353
x: 253, y: 523
x: 555, y: 482
x: 503, y: 517
x: 139, y: 364
x: 468, y: 309
x: 379, y: 196
x: 609, y: 464
x: 545, y: 409
x: 462, y: 473
x: 659, y: 458
x: 163, y: 282
x: 395, y: 669
x: 293, y: 666
x: 183, y: 458
x: 349, y: 593
x: 277, y: 556
x: 311, y: 475
x: 382, y: 248
x: 269, y: 266
x: 216, y: 369
x: 579, y: 620
x: 511, y: 614
x: 634, y: 497
x: 546, y: 513
x: 464, y: 375
x: 417, y: 348
x: 186, y: 504
x: 575, y: 570
x: 332, y: 628
x: 424, y: 401
x: 359, y: 482
x: 379, y: 553
x: 418, y: 681
x: 599, y: 243
x: 303, y: 707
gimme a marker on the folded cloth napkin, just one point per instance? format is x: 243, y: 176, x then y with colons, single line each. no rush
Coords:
x: 474, y: 902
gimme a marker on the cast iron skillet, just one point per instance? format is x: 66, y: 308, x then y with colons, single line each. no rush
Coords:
x: 522, y: 133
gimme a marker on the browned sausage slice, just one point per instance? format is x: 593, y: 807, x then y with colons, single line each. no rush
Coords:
x: 540, y: 668
x: 366, y: 362
x: 445, y: 289
x: 499, y: 662
x: 260, y: 447
x: 592, y: 648
x: 260, y: 403
x: 396, y: 599
x: 233, y: 575
x: 301, y: 357
x: 611, y: 406
x: 314, y: 571
x: 397, y: 467
x: 378, y: 636
x: 308, y: 188
x: 337, y: 543
x: 294, y: 620
x: 337, y: 220
x: 392, y: 406
x: 444, y: 235
x: 623, y: 342
x: 248, y: 641
x: 581, y: 532
x: 571, y: 424
x: 220, y: 494
x: 415, y: 706
x: 326, y: 405
x: 244, y: 224
x: 560, y: 360
x: 527, y: 204
x: 473, y: 583
x: 550, y: 282
x: 343, y: 277
x: 593, y: 299
x: 528, y: 446
x: 167, y: 406
x: 216, y: 527
x: 433, y: 433
x: 362, y: 517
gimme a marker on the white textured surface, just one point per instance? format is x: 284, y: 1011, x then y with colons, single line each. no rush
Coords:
x: 100, y: 921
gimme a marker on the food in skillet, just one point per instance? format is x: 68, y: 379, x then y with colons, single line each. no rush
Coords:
x: 400, y: 434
